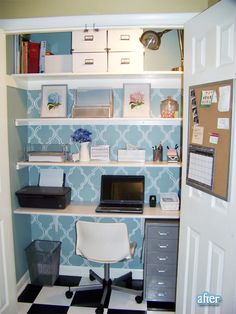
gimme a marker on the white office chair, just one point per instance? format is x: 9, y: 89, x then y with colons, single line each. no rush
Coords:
x: 104, y: 243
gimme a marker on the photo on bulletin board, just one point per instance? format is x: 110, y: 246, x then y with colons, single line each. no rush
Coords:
x: 136, y: 100
x: 54, y: 101
x: 209, y: 138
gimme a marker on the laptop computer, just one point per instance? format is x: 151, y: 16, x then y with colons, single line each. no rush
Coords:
x: 121, y: 194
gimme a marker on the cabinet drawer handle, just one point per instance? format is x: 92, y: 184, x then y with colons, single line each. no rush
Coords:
x: 124, y: 37
x: 161, y: 294
x: 88, y: 61
x: 161, y: 271
x: 163, y: 233
x: 163, y: 246
x: 88, y: 38
x: 163, y: 258
x: 160, y: 283
x: 125, y: 61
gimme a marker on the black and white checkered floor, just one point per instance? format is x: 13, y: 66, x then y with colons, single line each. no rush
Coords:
x: 45, y: 300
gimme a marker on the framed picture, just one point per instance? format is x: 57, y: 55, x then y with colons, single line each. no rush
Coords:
x: 54, y: 101
x: 136, y: 100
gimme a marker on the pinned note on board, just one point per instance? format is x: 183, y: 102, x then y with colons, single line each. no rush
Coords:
x: 206, y: 98
x: 214, y: 138
x: 223, y: 123
x: 198, y: 132
x: 224, y: 98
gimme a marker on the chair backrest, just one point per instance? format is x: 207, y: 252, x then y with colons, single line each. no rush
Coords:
x: 102, y: 242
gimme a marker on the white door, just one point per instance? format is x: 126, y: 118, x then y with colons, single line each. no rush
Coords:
x: 207, y: 247
x: 7, y: 261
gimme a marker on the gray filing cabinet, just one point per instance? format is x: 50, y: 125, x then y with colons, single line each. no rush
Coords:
x: 160, y: 259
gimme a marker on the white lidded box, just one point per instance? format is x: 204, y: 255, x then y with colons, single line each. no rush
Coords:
x: 137, y: 155
x: 58, y: 64
x: 169, y: 201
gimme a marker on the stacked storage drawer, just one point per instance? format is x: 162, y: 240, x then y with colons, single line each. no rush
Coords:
x: 125, y: 51
x: 113, y: 51
x: 89, y: 52
x: 160, y: 264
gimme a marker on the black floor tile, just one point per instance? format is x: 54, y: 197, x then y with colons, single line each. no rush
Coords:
x: 90, y: 298
x: 67, y: 281
x: 165, y: 306
x: 47, y: 309
x: 29, y: 294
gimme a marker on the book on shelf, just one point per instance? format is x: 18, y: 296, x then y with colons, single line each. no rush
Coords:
x: 29, y: 57
x: 43, y: 45
x: 33, y: 57
x: 25, y: 51
x: 20, y: 53
x: 16, y: 54
x: 47, y: 156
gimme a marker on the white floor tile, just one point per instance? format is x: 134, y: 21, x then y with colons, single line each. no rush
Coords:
x: 125, y: 301
x: 53, y: 295
x: 87, y: 281
x: 83, y: 310
x: 160, y: 312
x: 23, y: 308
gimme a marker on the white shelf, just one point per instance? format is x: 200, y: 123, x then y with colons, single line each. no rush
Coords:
x: 98, y: 121
x: 88, y: 210
x: 23, y: 164
x: 105, y: 75
x: 158, y: 79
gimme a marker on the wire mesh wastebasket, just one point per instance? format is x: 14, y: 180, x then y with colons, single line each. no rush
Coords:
x: 43, y: 258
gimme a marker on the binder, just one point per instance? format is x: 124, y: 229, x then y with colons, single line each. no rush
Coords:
x: 33, y: 61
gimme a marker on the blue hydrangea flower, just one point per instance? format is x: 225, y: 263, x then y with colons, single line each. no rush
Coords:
x: 81, y: 135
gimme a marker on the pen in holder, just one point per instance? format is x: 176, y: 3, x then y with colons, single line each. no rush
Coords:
x: 157, y: 153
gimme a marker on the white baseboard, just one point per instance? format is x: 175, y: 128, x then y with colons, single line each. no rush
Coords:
x: 84, y: 271
x: 22, y: 283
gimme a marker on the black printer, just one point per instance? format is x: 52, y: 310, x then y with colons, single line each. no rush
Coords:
x: 44, y: 197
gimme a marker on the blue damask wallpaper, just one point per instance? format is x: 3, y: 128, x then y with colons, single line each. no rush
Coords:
x: 85, y: 181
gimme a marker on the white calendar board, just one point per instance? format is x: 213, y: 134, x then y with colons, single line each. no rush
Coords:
x: 200, y: 166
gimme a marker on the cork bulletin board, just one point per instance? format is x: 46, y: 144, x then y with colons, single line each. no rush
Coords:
x: 209, y: 137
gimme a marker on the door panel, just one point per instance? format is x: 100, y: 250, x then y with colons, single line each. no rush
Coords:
x: 207, y: 224
x: 225, y: 49
x: 7, y: 260
x: 3, y: 286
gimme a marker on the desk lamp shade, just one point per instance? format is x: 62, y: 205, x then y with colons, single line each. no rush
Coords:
x: 152, y: 40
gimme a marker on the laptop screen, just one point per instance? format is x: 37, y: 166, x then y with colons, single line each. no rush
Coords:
x: 122, y: 189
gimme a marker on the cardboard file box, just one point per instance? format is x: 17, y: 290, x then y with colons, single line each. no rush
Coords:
x: 44, y: 197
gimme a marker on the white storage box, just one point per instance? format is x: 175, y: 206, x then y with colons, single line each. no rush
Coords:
x: 125, y: 62
x: 89, y: 41
x: 137, y: 155
x: 58, y: 63
x: 90, y: 62
x: 124, y: 39
x: 169, y: 201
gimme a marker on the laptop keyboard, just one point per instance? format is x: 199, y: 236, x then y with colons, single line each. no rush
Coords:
x: 119, y: 209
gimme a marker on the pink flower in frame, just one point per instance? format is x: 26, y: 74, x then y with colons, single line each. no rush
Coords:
x: 136, y: 99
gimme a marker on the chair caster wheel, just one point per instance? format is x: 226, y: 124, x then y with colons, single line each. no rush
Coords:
x: 99, y: 310
x: 139, y: 299
x: 69, y: 294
